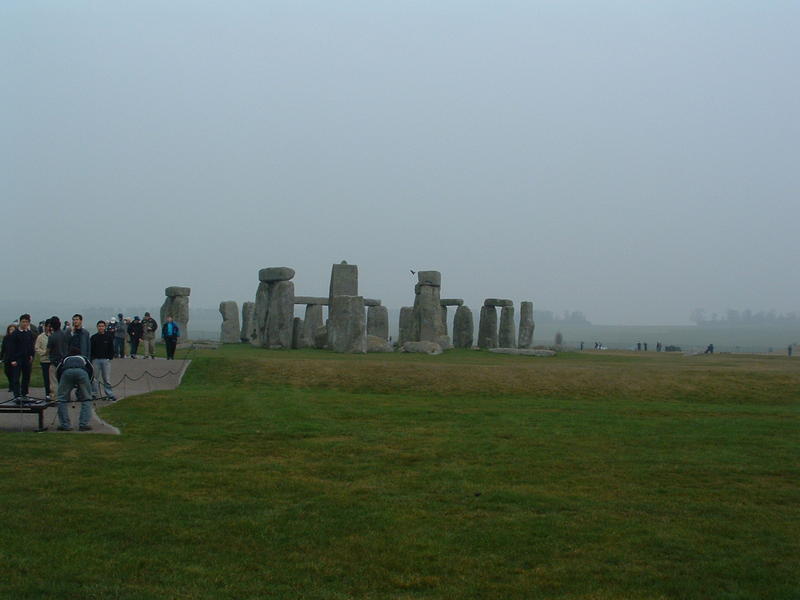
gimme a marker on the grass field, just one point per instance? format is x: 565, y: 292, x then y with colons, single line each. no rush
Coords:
x: 308, y: 474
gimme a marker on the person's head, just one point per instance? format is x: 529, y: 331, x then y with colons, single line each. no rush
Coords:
x: 169, y: 319
x: 55, y: 323
x: 147, y: 314
x: 74, y: 351
x: 11, y: 329
x: 24, y: 321
x: 77, y: 321
x: 101, y: 327
x: 119, y: 316
x: 135, y: 319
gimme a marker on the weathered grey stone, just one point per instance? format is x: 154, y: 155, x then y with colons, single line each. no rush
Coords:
x: 377, y: 344
x: 311, y: 300
x: 297, y: 334
x: 176, y: 290
x: 523, y: 351
x: 428, y: 324
x: 433, y: 278
x: 346, y: 327
x: 444, y: 342
x: 507, y: 335
x: 487, y: 327
x: 271, y: 274
x: 280, y: 313
x: 378, y: 322
x: 344, y: 281
x: 463, y: 328
x: 526, y: 325
x: 422, y: 347
x: 321, y: 337
x: 444, y: 318
x: 260, y: 314
x: 406, y: 325
x: 176, y: 305
x: 371, y: 302
x: 498, y: 302
x: 248, y: 310
x: 229, y: 330
x: 311, y: 323
x: 451, y: 302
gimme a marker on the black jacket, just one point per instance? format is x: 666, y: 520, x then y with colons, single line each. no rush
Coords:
x: 135, y: 330
x: 58, y: 346
x: 20, y: 347
x: 102, y: 346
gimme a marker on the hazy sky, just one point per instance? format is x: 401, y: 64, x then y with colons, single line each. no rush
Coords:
x: 633, y: 160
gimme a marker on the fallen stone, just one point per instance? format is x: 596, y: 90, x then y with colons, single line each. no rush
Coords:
x: 376, y: 344
x: 463, y: 328
x: 229, y: 330
x: 422, y: 347
x: 498, y: 302
x: 271, y: 274
x: 444, y: 342
x: 523, y: 351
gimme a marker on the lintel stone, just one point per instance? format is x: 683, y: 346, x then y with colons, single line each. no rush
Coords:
x: 501, y: 302
x: 451, y: 302
x: 275, y: 274
x: 311, y: 300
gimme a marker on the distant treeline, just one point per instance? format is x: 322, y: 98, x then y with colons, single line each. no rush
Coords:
x: 744, y: 317
x: 574, y: 317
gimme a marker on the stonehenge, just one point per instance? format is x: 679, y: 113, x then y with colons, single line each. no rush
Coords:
x: 463, y: 328
x: 427, y: 323
x: 274, y: 311
x: 526, y: 325
x: 248, y: 310
x: 507, y: 336
x: 229, y: 331
x: 487, y: 327
x: 378, y: 321
x: 176, y: 306
x: 346, y: 326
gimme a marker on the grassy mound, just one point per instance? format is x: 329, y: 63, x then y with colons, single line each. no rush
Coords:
x: 468, y: 475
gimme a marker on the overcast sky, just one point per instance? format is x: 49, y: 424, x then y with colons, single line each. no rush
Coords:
x: 633, y: 160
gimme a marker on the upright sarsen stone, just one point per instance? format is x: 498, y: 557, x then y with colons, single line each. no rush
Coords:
x: 297, y: 334
x: 378, y: 322
x: 312, y: 323
x: 463, y: 328
x: 260, y: 315
x: 507, y: 336
x: 274, y: 309
x: 248, y: 310
x: 346, y: 327
x: 406, y: 331
x: 344, y: 281
x: 229, y: 330
x: 526, y: 325
x: 487, y: 327
x: 176, y: 305
x: 428, y: 326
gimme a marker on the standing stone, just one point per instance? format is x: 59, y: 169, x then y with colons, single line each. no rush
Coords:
x: 312, y: 322
x: 248, y: 311
x: 346, y: 327
x: 526, y: 325
x: 260, y: 314
x: 444, y: 318
x: 427, y: 308
x: 297, y: 334
x: 507, y: 336
x: 280, y: 313
x: 344, y: 281
x: 229, y: 332
x: 487, y: 327
x: 176, y: 306
x: 378, y: 322
x: 463, y: 328
x: 406, y: 331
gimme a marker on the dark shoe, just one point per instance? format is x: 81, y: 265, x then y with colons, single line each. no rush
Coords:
x: 85, y: 428
x: 62, y: 428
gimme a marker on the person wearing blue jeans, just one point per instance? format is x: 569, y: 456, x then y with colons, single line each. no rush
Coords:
x: 74, y: 371
x: 102, y: 349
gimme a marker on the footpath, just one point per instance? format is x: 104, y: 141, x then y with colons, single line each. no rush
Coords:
x: 130, y: 377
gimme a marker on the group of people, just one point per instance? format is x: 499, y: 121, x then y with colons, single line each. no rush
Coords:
x: 72, y: 359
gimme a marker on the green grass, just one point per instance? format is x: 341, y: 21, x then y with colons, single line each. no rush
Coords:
x: 469, y: 475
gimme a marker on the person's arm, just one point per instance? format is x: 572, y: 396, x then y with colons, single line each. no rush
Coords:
x: 41, y: 345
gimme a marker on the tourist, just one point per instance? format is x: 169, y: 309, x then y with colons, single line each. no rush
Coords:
x: 149, y: 328
x: 102, y: 344
x: 79, y: 338
x: 57, y: 348
x: 135, y: 334
x: 120, y: 333
x: 21, y: 350
x: 74, y: 371
x: 4, y: 355
x: 170, y: 333
x: 44, y: 356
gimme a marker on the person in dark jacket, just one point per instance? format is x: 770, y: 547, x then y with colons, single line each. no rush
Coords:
x: 21, y: 350
x: 102, y: 355
x: 74, y: 371
x: 79, y: 338
x: 170, y: 333
x: 57, y: 346
x: 7, y: 368
x: 135, y: 331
